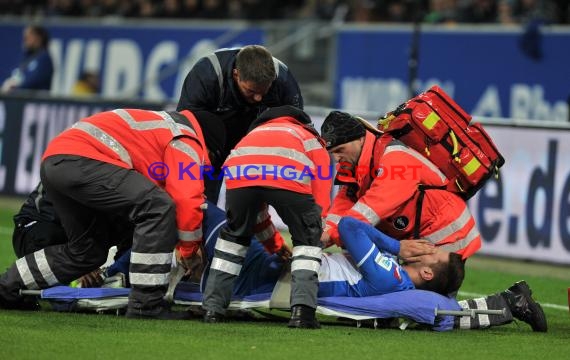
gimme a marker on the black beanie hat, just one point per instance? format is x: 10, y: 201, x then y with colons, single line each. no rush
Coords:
x: 340, y: 127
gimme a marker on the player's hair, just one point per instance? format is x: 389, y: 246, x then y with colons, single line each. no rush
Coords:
x: 447, y: 277
x: 255, y: 64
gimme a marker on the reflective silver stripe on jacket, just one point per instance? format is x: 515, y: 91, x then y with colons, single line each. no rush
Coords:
x: 309, y: 144
x: 148, y: 279
x: 166, y: 116
x: 256, y: 172
x: 151, y: 259
x: 186, y: 149
x: 107, y: 140
x: 218, y: 70
x: 166, y: 122
x: 195, y: 235
x: 334, y: 218
x: 456, y: 225
x: 289, y: 154
x: 366, y: 212
x: 231, y: 248
x: 312, y: 144
x: 463, y: 243
x: 225, y: 266
x: 418, y: 156
x: 277, y: 63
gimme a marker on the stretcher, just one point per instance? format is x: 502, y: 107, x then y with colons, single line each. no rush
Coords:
x: 419, y: 306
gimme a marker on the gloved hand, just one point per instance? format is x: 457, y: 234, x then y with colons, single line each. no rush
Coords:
x: 93, y: 279
x: 193, y: 264
x: 330, y: 237
x: 284, y: 253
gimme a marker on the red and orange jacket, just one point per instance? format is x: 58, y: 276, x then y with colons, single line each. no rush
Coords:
x: 137, y: 139
x: 385, y: 191
x: 281, y: 153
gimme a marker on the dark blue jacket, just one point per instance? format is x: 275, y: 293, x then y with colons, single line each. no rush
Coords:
x: 210, y: 86
x: 36, y: 71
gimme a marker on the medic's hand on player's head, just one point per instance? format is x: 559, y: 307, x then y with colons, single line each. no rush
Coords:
x: 411, y: 250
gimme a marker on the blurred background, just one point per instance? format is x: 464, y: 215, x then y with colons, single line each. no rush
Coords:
x: 506, y: 62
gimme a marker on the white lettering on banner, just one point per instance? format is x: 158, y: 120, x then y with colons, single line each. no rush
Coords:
x: 164, y: 53
x: 72, y: 63
x: 527, y: 102
x: 124, y: 65
x: 2, y: 167
x: 93, y: 55
x: 382, y: 95
x: 489, y: 104
x: 31, y: 147
x: 40, y: 123
x: 122, y: 77
x: 68, y: 67
x: 526, y: 213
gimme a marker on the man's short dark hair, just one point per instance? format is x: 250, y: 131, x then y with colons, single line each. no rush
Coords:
x: 447, y: 277
x: 255, y: 64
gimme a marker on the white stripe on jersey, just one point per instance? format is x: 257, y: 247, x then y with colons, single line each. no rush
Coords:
x: 336, y: 267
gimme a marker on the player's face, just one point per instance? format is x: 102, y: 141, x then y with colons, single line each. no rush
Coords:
x: 348, y: 152
x: 251, y: 92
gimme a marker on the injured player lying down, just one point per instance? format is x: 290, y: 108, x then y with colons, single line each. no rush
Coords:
x: 369, y: 267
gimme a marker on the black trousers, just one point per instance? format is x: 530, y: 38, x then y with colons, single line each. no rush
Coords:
x: 30, y: 236
x: 85, y: 194
x: 303, y: 217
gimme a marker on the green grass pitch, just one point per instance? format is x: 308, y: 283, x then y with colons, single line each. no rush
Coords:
x: 52, y: 335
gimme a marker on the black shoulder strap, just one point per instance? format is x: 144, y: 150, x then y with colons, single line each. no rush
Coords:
x: 180, y: 119
x: 422, y: 189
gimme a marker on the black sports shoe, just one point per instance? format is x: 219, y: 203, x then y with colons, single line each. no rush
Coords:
x: 523, y: 306
x: 23, y: 305
x: 303, y: 317
x: 160, y: 312
x: 213, y: 317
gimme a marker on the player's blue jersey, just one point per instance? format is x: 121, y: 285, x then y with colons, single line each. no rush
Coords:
x: 379, y: 274
x: 371, y: 268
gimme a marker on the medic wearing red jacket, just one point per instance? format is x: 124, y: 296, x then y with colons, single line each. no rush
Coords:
x: 128, y: 166
x: 281, y: 162
x: 393, y: 187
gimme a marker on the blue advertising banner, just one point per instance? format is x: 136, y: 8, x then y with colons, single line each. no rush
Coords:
x: 485, y: 70
x: 27, y: 124
x: 146, y: 61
